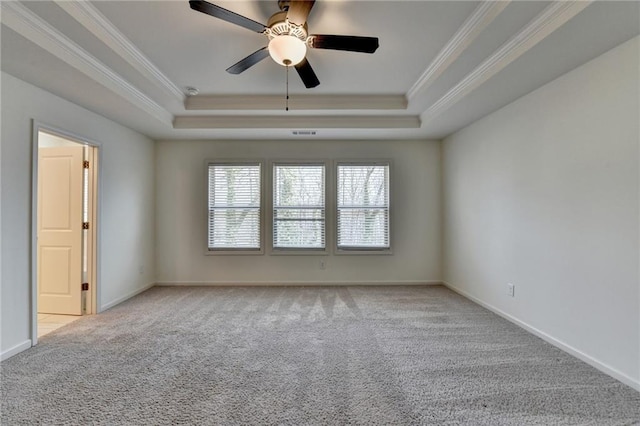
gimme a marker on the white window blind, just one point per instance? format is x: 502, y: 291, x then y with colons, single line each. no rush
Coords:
x: 363, y: 206
x: 234, y: 206
x: 298, y: 206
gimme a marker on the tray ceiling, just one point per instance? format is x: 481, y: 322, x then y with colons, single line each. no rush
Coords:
x: 441, y: 64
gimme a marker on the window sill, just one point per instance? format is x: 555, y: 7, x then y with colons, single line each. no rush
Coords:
x: 223, y: 252
x: 299, y: 252
x: 357, y: 252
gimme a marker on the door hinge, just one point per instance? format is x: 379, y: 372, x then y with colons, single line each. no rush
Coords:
x: 85, y: 225
x: 85, y: 164
x: 85, y: 286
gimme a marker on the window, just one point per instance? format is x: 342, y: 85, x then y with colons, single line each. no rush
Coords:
x: 363, y: 206
x: 234, y: 206
x: 298, y: 206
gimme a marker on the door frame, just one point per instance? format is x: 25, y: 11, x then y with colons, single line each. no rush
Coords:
x: 94, y: 296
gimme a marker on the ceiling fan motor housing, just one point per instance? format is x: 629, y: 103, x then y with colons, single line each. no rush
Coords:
x: 279, y: 25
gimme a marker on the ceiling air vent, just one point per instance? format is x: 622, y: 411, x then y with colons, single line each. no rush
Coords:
x: 304, y: 132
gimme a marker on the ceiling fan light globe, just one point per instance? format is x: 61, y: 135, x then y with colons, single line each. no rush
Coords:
x: 287, y: 50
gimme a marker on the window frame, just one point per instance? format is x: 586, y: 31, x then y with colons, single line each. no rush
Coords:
x: 261, y: 221
x: 363, y: 250
x: 297, y: 251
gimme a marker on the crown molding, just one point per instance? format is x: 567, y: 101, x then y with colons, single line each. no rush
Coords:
x: 98, y: 24
x: 32, y: 27
x: 549, y: 20
x: 297, y: 102
x: 295, y: 122
x: 466, y: 34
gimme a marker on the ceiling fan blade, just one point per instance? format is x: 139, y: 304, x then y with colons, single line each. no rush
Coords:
x: 249, y: 61
x: 341, y: 42
x: 226, y: 15
x: 307, y: 74
x: 299, y: 11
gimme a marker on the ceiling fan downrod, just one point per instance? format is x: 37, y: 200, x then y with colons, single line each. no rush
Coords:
x: 283, y: 5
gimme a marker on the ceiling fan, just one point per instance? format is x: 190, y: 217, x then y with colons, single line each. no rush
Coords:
x: 288, y: 37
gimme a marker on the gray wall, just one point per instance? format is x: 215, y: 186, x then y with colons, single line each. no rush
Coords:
x: 126, y: 213
x: 182, y: 216
x: 544, y: 194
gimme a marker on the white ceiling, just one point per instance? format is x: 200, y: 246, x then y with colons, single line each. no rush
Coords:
x: 441, y: 64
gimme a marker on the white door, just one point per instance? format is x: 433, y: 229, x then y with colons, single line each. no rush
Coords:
x: 59, y: 269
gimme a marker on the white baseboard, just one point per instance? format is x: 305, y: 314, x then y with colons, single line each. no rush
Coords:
x: 125, y: 297
x: 15, y: 350
x: 291, y: 283
x: 616, y: 374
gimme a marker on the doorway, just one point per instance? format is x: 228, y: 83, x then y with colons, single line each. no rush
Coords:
x: 64, y: 221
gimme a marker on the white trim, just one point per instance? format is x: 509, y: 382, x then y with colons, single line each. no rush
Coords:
x: 484, y: 14
x: 95, y: 288
x: 32, y: 27
x: 20, y: 347
x: 98, y: 24
x: 296, y: 122
x: 125, y: 297
x: 550, y: 19
x: 616, y: 374
x: 33, y: 240
x: 298, y: 102
x: 294, y: 283
x: 96, y: 177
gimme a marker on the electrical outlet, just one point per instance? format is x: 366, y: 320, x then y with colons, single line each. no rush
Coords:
x: 511, y: 290
x: 323, y: 264
x: 141, y: 270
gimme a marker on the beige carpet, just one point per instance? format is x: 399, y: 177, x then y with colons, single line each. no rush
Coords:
x: 305, y: 356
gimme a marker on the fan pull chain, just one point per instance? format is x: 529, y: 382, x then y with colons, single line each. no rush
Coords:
x: 287, y: 63
x: 286, y: 108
